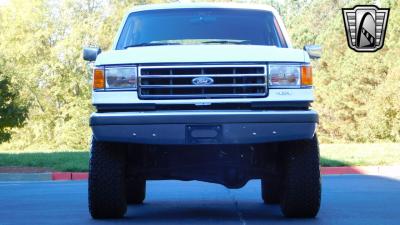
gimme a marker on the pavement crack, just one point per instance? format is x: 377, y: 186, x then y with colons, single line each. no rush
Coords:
x: 236, y: 204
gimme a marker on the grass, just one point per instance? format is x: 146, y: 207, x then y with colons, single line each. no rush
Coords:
x: 57, y: 161
x: 331, y: 155
x: 360, y: 154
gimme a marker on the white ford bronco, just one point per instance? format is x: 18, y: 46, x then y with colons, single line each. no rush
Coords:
x: 208, y: 92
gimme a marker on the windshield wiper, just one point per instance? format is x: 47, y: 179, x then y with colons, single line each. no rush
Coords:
x: 149, y: 44
x: 225, y: 42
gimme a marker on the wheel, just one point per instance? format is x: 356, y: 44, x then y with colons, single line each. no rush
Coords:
x: 107, y: 180
x: 271, y: 190
x: 301, y: 195
x: 136, y: 190
x: 271, y: 184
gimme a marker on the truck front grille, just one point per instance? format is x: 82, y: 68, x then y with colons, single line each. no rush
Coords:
x: 202, y: 82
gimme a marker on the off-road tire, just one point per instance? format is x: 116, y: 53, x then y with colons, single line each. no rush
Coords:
x: 107, y: 186
x: 271, y: 190
x: 135, y: 190
x: 301, y: 196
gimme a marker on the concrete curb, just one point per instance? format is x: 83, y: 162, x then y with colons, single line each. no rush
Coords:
x: 366, y: 170
x: 59, y: 176
x: 25, y: 176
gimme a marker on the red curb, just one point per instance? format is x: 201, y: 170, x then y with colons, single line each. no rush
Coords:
x: 366, y: 170
x: 339, y: 170
x: 61, y: 176
x: 79, y: 176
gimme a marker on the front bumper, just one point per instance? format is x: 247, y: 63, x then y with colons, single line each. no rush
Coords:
x: 204, y: 127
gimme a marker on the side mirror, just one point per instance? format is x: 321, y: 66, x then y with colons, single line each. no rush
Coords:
x: 91, y: 53
x: 314, y: 51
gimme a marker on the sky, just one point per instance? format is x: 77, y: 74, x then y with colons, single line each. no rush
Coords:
x: 3, y: 2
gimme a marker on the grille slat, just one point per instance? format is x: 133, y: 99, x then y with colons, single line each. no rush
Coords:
x: 226, y: 81
x: 200, y: 75
x: 203, y: 86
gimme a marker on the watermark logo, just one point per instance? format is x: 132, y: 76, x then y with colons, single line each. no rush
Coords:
x: 365, y: 27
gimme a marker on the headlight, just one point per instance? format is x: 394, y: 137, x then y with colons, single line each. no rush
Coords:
x: 289, y: 76
x: 121, y: 77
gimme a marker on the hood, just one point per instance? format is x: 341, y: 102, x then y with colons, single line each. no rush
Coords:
x: 201, y: 54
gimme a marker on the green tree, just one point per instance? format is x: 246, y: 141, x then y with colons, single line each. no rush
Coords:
x: 12, y: 111
x: 356, y: 94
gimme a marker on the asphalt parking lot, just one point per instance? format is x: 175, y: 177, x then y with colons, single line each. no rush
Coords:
x: 348, y: 199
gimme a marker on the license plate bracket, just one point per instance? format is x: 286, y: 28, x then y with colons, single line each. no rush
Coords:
x: 203, y: 134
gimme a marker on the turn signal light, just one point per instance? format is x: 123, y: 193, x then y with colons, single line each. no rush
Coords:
x: 98, y: 78
x: 306, y: 76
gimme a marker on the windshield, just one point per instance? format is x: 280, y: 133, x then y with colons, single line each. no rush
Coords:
x: 200, y: 26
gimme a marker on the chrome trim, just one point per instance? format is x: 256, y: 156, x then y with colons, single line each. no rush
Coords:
x: 118, y: 67
x: 204, y: 95
x: 208, y: 96
x: 285, y: 86
x: 201, y: 75
x: 205, y: 66
x: 203, y: 86
x: 298, y: 86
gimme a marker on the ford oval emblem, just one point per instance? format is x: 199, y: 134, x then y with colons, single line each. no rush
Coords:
x: 202, y: 81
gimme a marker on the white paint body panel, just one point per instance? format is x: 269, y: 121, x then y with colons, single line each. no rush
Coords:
x: 192, y: 54
x: 201, y: 54
x: 275, y: 95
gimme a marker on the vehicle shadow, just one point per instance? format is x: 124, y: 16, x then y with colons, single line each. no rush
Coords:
x: 346, y: 199
x: 199, y: 212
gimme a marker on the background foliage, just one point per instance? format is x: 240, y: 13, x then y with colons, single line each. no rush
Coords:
x: 41, y: 41
x: 12, y: 110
